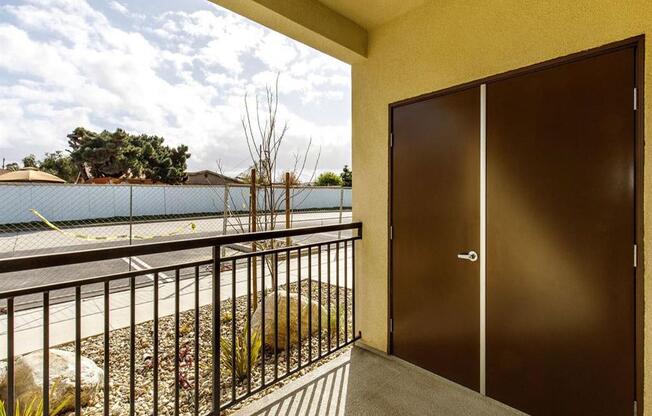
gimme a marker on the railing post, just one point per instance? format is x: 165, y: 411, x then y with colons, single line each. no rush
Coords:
x: 215, y: 339
x: 353, y: 289
x: 10, y: 357
x: 288, y: 225
x: 46, y: 350
x: 78, y: 317
x: 253, y: 208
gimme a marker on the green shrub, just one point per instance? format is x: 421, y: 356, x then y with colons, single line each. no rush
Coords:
x: 329, y: 179
x: 225, y: 317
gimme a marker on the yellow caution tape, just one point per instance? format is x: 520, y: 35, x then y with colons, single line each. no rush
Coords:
x: 179, y: 230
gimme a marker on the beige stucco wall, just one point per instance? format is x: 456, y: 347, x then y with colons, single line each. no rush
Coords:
x: 446, y: 43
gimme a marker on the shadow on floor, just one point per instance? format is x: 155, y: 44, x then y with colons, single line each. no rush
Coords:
x: 364, y: 383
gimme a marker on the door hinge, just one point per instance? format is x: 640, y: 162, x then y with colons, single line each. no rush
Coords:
x: 635, y: 408
x: 635, y: 255
x: 391, y: 139
x: 391, y: 232
x: 391, y: 325
x: 635, y: 99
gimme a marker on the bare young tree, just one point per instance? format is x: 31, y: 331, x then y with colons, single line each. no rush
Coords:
x: 265, y: 136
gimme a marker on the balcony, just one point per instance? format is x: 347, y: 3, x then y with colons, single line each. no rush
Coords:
x: 500, y: 160
x: 143, y: 341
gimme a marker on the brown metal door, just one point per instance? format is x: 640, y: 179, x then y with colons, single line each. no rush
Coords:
x: 435, y: 216
x: 560, y: 236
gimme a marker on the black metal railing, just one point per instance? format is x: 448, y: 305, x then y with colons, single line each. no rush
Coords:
x: 229, y: 354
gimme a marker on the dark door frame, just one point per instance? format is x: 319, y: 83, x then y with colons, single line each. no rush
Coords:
x: 638, y: 43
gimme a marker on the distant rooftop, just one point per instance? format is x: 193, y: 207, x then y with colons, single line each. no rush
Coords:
x: 29, y: 175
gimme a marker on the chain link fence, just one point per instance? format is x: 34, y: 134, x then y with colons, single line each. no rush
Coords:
x: 47, y: 218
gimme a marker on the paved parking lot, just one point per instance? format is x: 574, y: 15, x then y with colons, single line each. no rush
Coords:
x: 53, y: 242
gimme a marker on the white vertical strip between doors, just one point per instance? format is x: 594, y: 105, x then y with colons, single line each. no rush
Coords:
x: 483, y: 238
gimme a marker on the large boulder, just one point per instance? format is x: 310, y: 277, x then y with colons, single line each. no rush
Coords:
x: 294, y: 317
x: 28, y: 376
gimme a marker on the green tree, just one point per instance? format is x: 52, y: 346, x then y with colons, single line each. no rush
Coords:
x: 329, y: 179
x: 162, y: 163
x: 119, y: 154
x: 347, y: 176
x: 30, y: 161
x: 103, y: 153
x: 61, y: 165
x: 12, y: 166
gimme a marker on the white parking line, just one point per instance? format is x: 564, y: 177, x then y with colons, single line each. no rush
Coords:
x: 139, y: 264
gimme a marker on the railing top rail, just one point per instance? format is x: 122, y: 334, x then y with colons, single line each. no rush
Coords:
x: 84, y: 256
x: 30, y: 290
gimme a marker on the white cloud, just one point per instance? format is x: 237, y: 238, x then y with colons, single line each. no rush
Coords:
x: 119, y: 7
x: 179, y: 75
x: 276, y: 51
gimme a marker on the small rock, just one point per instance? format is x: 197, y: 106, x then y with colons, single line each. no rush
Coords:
x: 117, y: 410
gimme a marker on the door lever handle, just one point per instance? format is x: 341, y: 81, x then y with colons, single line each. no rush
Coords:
x: 470, y: 256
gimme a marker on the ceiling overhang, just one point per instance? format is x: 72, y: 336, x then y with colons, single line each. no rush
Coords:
x: 308, y: 21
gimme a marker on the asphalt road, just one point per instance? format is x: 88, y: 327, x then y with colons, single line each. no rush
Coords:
x: 51, y: 242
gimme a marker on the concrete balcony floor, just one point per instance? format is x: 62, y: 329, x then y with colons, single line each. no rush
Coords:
x: 361, y: 382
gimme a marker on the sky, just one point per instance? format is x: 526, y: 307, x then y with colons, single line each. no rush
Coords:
x: 174, y: 68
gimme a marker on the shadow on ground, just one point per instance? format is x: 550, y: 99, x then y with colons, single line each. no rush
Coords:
x: 366, y: 383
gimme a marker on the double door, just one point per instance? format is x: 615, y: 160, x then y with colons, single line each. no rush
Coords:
x: 513, y: 216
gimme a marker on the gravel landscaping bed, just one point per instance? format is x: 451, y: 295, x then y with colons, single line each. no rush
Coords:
x: 93, y: 348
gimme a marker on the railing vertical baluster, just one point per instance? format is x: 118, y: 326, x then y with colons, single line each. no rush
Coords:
x: 77, y: 350
x: 353, y: 333
x: 107, y: 348
x: 275, y: 315
x: 10, y: 357
x: 287, y: 312
x: 177, y: 336
x: 249, y: 324
x: 337, y: 294
x: 234, y: 340
x: 319, y: 315
x: 299, y: 308
x: 46, y: 352
x: 262, y: 321
x: 309, y: 304
x: 132, y: 346
x: 196, y: 340
x: 216, y: 348
x: 328, y: 294
x: 155, y: 347
x: 346, y: 292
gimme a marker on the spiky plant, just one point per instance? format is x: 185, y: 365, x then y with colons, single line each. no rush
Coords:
x: 241, y: 368
x: 35, y: 407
